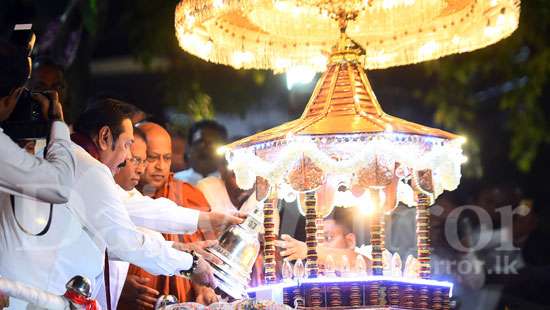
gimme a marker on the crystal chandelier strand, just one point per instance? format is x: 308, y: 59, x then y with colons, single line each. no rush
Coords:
x: 281, y: 35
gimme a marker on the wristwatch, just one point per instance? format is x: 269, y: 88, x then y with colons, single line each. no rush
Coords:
x: 187, y: 273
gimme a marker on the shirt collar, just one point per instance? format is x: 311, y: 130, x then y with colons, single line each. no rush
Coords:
x: 195, y: 173
x: 86, y: 143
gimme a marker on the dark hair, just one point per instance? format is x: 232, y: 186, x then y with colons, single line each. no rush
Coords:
x: 210, y: 124
x: 344, y: 217
x: 41, y: 61
x: 138, y: 132
x: 14, y: 68
x: 104, y: 112
x: 45, y: 61
x: 109, y: 95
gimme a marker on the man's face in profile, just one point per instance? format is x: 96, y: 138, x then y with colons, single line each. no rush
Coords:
x: 336, y: 236
x: 47, y: 77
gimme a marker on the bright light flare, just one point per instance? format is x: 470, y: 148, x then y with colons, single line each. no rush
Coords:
x: 428, y: 49
x: 371, y: 200
x: 221, y: 150
x: 299, y: 75
x: 238, y: 59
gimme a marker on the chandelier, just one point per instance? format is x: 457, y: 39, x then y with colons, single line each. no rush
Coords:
x: 279, y: 35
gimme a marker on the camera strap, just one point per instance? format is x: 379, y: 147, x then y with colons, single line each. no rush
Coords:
x: 106, y: 277
x: 41, y: 233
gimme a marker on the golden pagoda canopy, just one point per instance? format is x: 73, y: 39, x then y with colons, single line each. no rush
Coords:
x: 344, y: 136
x: 282, y: 34
x: 342, y: 103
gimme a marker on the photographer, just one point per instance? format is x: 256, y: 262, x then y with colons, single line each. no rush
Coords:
x: 23, y: 174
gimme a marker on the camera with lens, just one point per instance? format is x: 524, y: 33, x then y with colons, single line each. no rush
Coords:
x: 27, y: 121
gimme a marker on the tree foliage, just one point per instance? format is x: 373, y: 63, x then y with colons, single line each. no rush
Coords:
x: 502, y: 85
x: 191, y: 85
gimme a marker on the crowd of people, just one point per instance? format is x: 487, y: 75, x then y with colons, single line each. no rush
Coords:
x: 101, y: 200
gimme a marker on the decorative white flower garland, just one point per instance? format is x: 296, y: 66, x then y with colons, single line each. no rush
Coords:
x: 443, y: 158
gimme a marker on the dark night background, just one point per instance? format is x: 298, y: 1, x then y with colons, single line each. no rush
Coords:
x: 496, y: 96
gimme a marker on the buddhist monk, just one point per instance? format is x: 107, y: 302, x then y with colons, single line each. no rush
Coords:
x: 157, y: 181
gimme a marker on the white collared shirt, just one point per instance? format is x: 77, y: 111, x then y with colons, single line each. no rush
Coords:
x: 215, y: 192
x: 118, y: 271
x: 49, y: 179
x: 160, y: 214
x: 192, y: 177
x: 94, y: 219
x: 152, y: 216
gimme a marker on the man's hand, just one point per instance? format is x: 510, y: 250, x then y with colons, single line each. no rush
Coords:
x: 136, y: 293
x: 8, y: 104
x: 293, y: 249
x: 217, y: 222
x: 45, y: 99
x: 202, y: 275
x: 205, y: 295
x: 199, y: 247
x: 4, y: 301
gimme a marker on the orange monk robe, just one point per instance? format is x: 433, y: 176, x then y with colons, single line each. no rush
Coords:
x: 186, y: 195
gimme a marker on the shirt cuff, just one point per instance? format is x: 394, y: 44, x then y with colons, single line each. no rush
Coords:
x: 185, y: 260
x: 192, y: 217
x: 60, y: 130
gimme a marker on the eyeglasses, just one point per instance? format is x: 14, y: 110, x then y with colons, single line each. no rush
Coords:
x: 136, y: 161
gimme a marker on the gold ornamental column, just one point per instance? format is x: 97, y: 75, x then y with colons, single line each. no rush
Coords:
x: 377, y: 235
x: 423, y: 235
x: 423, y: 187
x: 270, y: 205
x: 311, y: 235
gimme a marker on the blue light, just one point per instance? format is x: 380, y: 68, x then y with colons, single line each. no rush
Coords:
x: 283, y: 285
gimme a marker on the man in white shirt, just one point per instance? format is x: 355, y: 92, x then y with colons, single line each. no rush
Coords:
x: 23, y: 174
x: 162, y: 214
x: 94, y: 219
x: 159, y: 215
x: 204, y: 138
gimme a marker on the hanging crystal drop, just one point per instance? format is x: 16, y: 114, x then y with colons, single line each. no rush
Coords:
x: 360, y: 266
x: 386, y: 261
x: 411, y: 268
x: 330, y: 267
x: 396, y: 265
x: 287, y: 272
x: 299, y: 270
x: 345, y: 267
